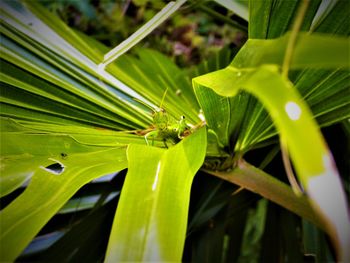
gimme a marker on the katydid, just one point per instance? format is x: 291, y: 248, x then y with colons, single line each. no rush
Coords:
x: 165, y: 127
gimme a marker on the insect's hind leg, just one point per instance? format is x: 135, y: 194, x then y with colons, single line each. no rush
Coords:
x: 152, y: 134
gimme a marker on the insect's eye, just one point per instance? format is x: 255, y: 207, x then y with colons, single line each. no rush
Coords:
x: 182, y: 117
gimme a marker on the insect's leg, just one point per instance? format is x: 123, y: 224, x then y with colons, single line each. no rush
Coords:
x: 182, y: 127
x: 179, y: 135
x: 151, y: 134
x: 164, y: 141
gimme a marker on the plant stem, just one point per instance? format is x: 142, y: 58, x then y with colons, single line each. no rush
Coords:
x: 293, y: 36
x: 257, y: 181
x: 288, y: 168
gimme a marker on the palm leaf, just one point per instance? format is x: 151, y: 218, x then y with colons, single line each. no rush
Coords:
x: 219, y: 81
x: 53, y: 93
x: 32, y: 209
x: 164, y: 179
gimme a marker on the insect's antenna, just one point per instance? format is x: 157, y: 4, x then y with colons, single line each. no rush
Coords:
x: 161, y: 103
x: 143, y: 103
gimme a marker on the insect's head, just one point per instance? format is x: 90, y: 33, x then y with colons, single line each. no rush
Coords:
x: 182, y: 124
x: 160, y: 119
x: 160, y: 116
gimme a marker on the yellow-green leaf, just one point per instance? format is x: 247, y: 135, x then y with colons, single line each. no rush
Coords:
x: 151, y: 219
x: 48, y: 190
x: 310, y: 155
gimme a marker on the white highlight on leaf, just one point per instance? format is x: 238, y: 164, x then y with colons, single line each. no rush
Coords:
x: 154, y: 186
x: 326, y: 190
x: 293, y: 110
x: 142, y: 32
x: 100, y: 68
x: 238, y: 8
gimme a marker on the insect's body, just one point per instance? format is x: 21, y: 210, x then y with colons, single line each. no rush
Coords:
x: 166, y: 128
x: 161, y: 119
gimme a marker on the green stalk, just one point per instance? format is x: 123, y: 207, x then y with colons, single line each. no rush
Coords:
x: 257, y: 181
x: 294, y: 36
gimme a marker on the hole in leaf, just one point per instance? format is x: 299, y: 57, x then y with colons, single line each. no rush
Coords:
x: 55, y: 168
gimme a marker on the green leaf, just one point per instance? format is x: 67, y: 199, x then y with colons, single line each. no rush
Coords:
x: 334, y: 19
x: 315, y: 243
x: 151, y: 219
x: 267, y: 16
x: 78, y: 243
x: 310, y: 155
x: 239, y: 7
x: 249, y: 122
x: 311, y: 51
x: 22, y: 219
x: 64, y: 78
x: 273, y: 18
x: 211, y: 201
x: 224, y: 115
x: 219, y: 113
x: 53, y: 90
x: 218, y: 238
x: 282, y: 234
x: 67, y: 74
x: 253, y: 232
x: 84, y: 203
x: 151, y: 73
x: 259, y: 14
x: 27, y: 146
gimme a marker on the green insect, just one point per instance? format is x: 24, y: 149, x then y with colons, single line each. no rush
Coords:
x: 167, y: 128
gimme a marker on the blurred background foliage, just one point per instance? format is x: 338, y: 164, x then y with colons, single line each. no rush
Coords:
x: 189, y: 37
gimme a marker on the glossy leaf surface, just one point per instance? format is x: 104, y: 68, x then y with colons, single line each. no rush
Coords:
x: 27, y: 146
x: 244, y: 113
x: 144, y: 228
x: 48, y: 191
x: 52, y: 90
x: 311, y: 51
x: 309, y: 153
